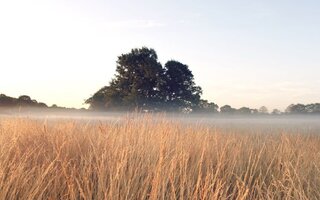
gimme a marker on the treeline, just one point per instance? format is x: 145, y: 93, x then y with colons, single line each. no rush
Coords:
x: 303, y: 109
x: 25, y: 102
x: 21, y: 101
x: 291, y: 109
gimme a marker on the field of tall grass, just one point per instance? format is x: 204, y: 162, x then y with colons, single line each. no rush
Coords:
x: 152, y: 158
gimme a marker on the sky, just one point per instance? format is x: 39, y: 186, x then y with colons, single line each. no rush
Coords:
x: 242, y: 53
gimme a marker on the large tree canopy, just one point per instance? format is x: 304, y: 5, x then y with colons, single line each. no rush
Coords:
x: 180, y: 89
x: 141, y: 82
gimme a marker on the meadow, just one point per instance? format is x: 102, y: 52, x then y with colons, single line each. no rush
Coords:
x: 155, y: 158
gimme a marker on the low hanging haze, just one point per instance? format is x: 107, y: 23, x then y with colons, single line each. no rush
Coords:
x: 242, y: 53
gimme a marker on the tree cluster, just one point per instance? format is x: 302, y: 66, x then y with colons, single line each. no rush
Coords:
x: 291, y: 109
x: 203, y: 107
x: 303, y: 109
x: 21, y: 101
x: 26, y: 103
x: 227, y: 109
x: 142, y: 83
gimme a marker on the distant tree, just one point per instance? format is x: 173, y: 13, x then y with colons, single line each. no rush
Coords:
x: 103, y: 98
x: 207, y: 107
x: 42, y: 105
x: 7, y: 101
x: 263, y: 110
x: 24, y: 98
x: 313, y: 108
x: 296, y: 109
x: 244, y: 110
x: 288, y: 110
x: 21, y: 101
x: 303, y: 109
x: 276, y: 112
x: 227, y: 109
x: 254, y: 111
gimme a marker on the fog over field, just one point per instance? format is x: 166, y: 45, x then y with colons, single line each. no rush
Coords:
x: 266, y: 123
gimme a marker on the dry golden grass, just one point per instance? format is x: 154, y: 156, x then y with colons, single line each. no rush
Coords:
x: 153, y: 159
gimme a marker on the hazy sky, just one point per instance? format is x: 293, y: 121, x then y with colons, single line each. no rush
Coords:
x: 243, y: 53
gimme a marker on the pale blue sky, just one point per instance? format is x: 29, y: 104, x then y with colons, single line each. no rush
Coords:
x: 242, y: 53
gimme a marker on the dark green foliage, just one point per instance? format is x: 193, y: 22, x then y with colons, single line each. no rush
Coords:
x: 207, y: 107
x: 138, y: 80
x: 142, y: 83
x: 180, y: 89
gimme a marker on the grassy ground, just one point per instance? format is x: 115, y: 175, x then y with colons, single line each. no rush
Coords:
x: 153, y: 159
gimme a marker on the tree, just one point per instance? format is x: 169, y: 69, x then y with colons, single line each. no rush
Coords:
x: 244, y: 110
x: 24, y: 98
x: 207, y: 107
x: 276, y: 112
x: 296, y: 109
x: 139, y: 78
x: 42, y: 105
x: 313, y: 108
x: 7, y: 101
x: 136, y: 83
x: 141, y: 82
x: 21, y: 101
x: 227, y: 109
x: 179, y: 89
x: 103, y: 98
x: 263, y: 110
x: 254, y: 111
x: 303, y: 109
